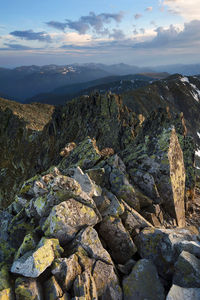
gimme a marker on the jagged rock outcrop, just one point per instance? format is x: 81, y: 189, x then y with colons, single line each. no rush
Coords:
x: 158, y: 165
x: 86, y: 227
x: 104, y: 118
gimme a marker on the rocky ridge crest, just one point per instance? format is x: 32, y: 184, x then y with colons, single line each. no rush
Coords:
x: 109, y: 219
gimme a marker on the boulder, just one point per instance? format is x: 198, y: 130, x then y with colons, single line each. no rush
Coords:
x: 34, y: 263
x: 28, y: 289
x: 143, y: 282
x: 106, y: 281
x: 117, y: 239
x: 176, y: 293
x: 65, y: 271
x: 67, y: 218
x: 187, y: 271
x: 84, y: 286
x: 52, y: 290
x: 85, y: 155
x: 162, y: 246
x: 87, y: 186
x: 89, y: 240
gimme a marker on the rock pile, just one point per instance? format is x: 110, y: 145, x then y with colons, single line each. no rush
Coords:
x: 102, y: 227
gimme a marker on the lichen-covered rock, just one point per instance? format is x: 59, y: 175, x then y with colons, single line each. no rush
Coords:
x: 161, y: 246
x: 106, y: 281
x: 110, y: 205
x: 34, y: 263
x: 85, y: 155
x: 65, y: 270
x: 52, y: 290
x: 28, y: 289
x: 29, y: 243
x: 7, y: 294
x: 87, y: 186
x: 156, y: 165
x: 187, y: 271
x: 57, y: 188
x: 97, y: 175
x: 84, y: 286
x: 132, y: 220
x: 67, y: 218
x: 180, y: 293
x: 5, y: 281
x: 117, y: 239
x: 127, y: 268
x: 143, y: 282
x: 89, y: 240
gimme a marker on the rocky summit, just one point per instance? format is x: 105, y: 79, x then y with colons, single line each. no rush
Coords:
x: 97, y: 202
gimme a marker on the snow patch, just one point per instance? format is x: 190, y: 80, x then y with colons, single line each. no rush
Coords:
x: 198, y: 133
x: 197, y: 153
x: 185, y: 79
x: 196, y: 91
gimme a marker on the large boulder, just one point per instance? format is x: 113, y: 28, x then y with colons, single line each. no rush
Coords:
x: 163, y: 246
x: 187, y: 271
x: 34, y: 263
x: 67, y: 218
x: 117, y: 239
x: 28, y: 289
x: 143, y: 282
x: 176, y: 293
x: 84, y: 286
x: 66, y: 270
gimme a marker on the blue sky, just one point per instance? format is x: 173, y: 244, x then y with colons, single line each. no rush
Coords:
x: 137, y: 32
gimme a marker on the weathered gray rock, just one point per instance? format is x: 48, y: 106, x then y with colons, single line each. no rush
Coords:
x: 117, y: 239
x: 84, y: 286
x: 97, y: 175
x: 120, y: 185
x: 28, y: 289
x: 67, y: 218
x: 132, y: 220
x: 161, y: 246
x: 106, y: 281
x: 187, y: 271
x: 115, y: 208
x: 29, y: 243
x: 52, y: 290
x: 65, y: 270
x: 89, y: 240
x: 34, y: 263
x: 85, y: 155
x: 155, y: 163
x: 192, y: 247
x: 127, y: 268
x: 87, y: 186
x: 180, y: 293
x: 143, y: 282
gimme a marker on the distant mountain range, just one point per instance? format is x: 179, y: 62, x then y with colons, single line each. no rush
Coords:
x: 114, y: 84
x: 26, y: 82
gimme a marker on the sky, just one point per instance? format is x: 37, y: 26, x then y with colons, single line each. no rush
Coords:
x: 136, y: 32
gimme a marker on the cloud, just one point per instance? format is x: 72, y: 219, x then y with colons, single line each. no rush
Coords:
x: 117, y: 34
x: 137, y: 16
x: 91, y: 21
x: 173, y: 37
x: 30, y: 35
x: 150, y: 8
x: 188, y: 9
x: 57, y: 25
x: 15, y: 47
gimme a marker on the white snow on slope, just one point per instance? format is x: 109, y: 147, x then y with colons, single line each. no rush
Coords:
x: 184, y: 79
